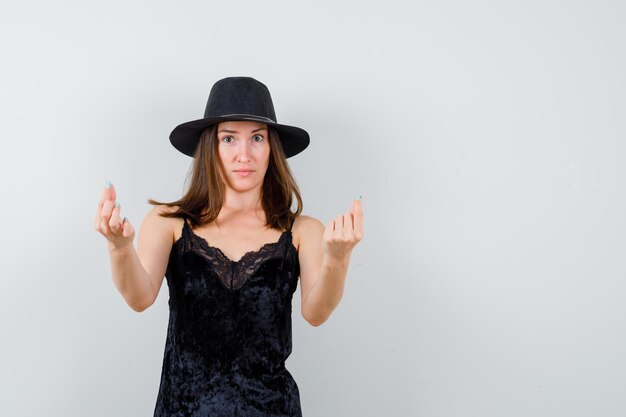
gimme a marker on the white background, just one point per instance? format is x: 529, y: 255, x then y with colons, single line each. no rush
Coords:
x: 487, y: 140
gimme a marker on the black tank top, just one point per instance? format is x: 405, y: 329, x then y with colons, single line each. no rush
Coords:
x: 229, y: 331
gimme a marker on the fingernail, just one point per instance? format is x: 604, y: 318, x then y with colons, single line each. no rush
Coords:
x: 358, y: 196
x: 108, y: 184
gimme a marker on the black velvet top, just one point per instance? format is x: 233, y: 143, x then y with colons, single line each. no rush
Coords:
x: 229, y: 331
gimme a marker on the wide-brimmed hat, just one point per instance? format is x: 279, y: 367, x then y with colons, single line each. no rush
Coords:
x: 238, y: 98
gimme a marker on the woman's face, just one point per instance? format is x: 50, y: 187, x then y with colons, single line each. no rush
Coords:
x: 243, y: 145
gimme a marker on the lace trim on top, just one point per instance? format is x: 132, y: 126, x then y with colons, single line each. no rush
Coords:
x: 234, y: 274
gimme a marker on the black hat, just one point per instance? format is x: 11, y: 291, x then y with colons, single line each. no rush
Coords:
x: 238, y: 98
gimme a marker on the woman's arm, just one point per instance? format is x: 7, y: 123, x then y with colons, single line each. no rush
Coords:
x: 138, y: 274
x: 324, y: 257
x: 130, y: 278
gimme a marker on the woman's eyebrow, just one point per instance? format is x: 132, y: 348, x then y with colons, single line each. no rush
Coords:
x: 234, y: 131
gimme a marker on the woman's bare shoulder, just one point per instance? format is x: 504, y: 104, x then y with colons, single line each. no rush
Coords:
x: 304, y: 220
x: 170, y: 222
x: 305, y: 228
x: 162, y: 208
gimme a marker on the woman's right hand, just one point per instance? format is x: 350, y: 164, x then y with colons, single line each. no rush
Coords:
x: 119, y: 233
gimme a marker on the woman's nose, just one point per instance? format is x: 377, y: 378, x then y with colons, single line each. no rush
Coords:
x: 243, y: 151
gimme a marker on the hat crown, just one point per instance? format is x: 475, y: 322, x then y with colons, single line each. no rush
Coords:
x: 240, y: 96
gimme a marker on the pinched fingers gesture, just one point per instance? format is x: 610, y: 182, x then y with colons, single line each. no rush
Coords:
x: 344, y: 232
x: 119, y: 232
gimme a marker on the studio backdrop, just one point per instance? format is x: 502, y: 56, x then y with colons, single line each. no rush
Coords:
x: 487, y: 141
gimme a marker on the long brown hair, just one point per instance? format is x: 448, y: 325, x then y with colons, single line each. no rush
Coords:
x: 203, y: 199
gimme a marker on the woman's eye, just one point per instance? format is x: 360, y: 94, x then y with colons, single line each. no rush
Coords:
x: 224, y: 139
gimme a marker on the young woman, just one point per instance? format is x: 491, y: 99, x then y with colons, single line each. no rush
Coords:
x: 232, y: 251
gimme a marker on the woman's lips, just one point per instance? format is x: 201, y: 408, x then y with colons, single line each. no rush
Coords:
x: 244, y: 173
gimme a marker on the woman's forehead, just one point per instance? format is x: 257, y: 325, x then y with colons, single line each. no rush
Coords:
x: 240, y: 126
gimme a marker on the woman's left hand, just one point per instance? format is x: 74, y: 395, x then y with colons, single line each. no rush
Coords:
x: 343, y: 233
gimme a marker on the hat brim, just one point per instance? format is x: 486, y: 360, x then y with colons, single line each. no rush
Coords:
x: 185, y: 136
